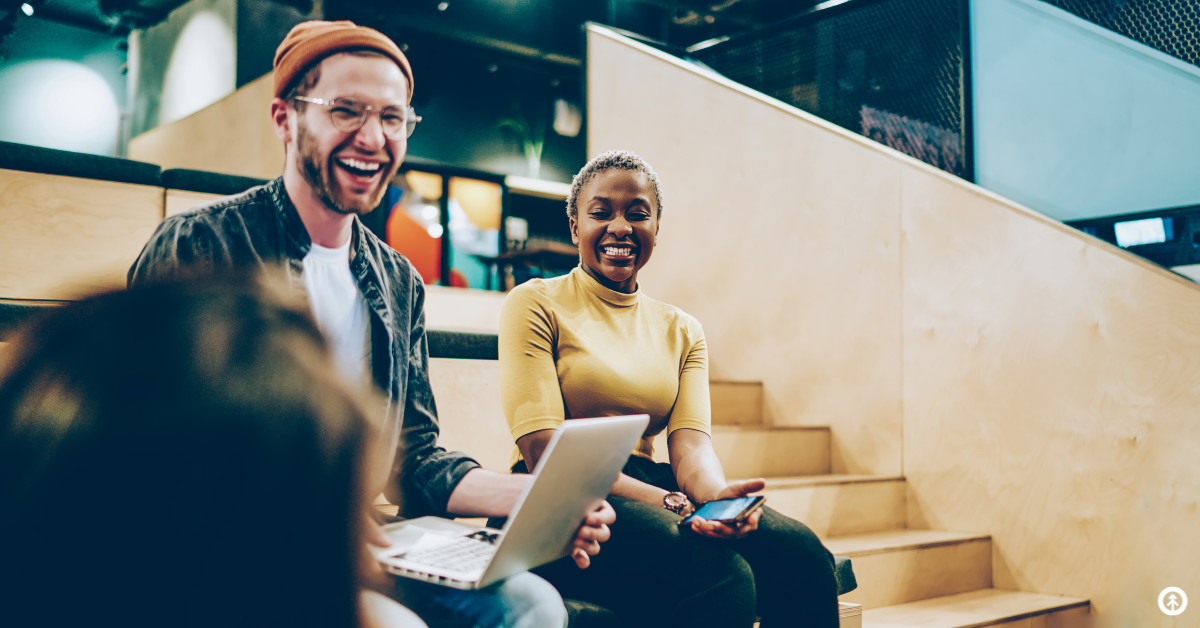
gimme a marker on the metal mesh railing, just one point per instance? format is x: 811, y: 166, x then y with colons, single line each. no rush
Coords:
x: 1170, y: 26
x: 890, y: 70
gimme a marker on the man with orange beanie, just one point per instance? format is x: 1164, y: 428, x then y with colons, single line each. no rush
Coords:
x: 342, y: 110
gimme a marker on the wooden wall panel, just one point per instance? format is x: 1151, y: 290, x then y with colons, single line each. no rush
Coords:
x: 232, y: 136
x: 463, y: 309
x: 780, y: 233
x: 1051, y: 398
x: 468, y: 403
x: 1051, y: 382
x: 61, y: 237
x: 179, y: 201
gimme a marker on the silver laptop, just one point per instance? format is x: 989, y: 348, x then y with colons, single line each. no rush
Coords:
x: 575, y: 473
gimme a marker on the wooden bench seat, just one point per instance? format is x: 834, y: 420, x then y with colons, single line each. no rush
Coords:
x: 187, y: 189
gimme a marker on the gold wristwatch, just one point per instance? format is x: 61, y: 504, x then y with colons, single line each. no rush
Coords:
x: 676, y: 502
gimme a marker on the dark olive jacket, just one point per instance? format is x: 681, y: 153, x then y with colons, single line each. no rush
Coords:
x: 261, y: 228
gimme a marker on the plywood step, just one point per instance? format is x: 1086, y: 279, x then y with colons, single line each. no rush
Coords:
x: 899, y: 566
x: 736, y: 403
x: 849, y: 615
x: 839, y: 505
x: 748, y: 451
x: 985, y: 607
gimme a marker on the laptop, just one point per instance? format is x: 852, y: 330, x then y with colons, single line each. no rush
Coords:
x: 573, y: 476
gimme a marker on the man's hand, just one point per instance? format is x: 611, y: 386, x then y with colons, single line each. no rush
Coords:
x: 373, y: 534
x: 592, y: 533
x: 717, y: 530
x: 483, y: 493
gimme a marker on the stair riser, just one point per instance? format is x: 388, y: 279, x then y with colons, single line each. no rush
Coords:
x: 910, y: 575
x: 754, y: 453
x: 773, y: 453
x: 736, y: 403
x: 841, y: 509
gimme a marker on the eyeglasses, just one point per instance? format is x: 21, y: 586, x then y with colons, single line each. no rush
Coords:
x: 349, y: 115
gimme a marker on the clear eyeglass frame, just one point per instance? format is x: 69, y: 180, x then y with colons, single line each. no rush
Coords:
x: 349, y: 115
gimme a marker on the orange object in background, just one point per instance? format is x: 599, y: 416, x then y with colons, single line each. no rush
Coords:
x: 481, y: 201
x: 411, y: 239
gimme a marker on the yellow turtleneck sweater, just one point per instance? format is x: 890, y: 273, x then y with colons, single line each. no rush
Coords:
x: 571, y: 348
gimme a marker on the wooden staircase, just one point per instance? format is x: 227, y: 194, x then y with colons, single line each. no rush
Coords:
x: 906, y: 578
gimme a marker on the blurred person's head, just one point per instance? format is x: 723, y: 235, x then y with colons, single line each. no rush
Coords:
x: 178, y: 455
x: 342, y: 109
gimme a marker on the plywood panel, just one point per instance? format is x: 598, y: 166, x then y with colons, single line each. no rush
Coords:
x: 900, y: 566
x: 232, y: 136
x: 1050, y: 381
x: 179, y: 201
x: 736, y: 403
x: 757, y: 452
x: 779, y: 233
x: 837, y: 505
x: 61, y: 237
x: 468, y: 402
x: 1051, y: 388
x: 463, y: 309
x: 986, y: 607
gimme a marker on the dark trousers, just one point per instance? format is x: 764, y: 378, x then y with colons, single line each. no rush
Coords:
x: 651, y: 573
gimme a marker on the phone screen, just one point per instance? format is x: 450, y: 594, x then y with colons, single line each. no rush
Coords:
x: 724, y: 509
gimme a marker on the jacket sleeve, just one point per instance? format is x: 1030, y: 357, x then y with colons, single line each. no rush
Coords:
x: 180, y: 245
x: 426, y: 474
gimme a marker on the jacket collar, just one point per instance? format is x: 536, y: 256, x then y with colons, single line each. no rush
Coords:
x: 295, y: 239
x: 295, y: 243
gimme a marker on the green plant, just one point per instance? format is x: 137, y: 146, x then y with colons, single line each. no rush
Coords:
x: 531, y: 135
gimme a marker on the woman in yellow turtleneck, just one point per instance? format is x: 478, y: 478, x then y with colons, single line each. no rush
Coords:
x: 590, y: 344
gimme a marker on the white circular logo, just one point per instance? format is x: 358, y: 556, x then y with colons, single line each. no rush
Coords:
x: 1172, y: 601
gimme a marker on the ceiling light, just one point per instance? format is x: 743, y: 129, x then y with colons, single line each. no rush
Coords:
x: 443, y: 6
x: 568, y: 118
x: 27, y: 9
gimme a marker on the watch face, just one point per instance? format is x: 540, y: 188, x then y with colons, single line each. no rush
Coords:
x: 675, y: 501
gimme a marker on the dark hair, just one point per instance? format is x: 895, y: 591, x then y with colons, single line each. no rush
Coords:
x: 179, y: 454
x: 612, y: 160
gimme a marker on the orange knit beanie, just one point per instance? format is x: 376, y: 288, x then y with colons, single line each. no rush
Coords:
x: 309, y: 42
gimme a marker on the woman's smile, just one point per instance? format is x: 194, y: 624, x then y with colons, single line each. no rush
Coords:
x: 618, y: 253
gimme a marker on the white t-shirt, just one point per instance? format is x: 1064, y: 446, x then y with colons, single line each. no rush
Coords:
x: 340, y: 309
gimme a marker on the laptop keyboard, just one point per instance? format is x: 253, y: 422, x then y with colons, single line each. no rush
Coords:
x: 465, y: 554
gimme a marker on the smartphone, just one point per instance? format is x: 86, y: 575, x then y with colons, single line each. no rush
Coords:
x: 728, y: 511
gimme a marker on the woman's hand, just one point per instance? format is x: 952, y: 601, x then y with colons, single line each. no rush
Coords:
x: 592, y: 533
x: 717, y: 530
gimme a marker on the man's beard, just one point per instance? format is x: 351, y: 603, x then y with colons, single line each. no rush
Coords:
x: 319, y: 175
